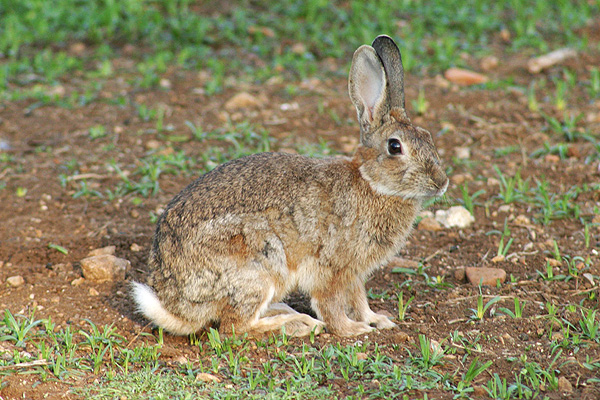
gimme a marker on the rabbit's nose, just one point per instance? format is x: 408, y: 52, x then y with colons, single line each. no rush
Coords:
x: 441, y: 181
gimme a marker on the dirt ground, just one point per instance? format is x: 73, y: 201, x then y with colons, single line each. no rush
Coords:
x: 43, y: 142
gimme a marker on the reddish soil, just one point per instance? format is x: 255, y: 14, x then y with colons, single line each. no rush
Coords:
x: 44, y: 140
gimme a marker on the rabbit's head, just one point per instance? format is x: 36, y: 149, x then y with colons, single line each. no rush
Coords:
x: 397, y: 157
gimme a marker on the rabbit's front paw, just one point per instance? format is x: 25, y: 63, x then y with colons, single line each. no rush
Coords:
x: 355, y: 328
x: 381, y: 321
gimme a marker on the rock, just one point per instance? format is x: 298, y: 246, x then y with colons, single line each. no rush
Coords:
x: 479, y: 391
x: 242, y: 100
x: 493, y: 182
x: 464, y: 77
x: 400, y: 337
x: 104, y: 268
x: 536, y: 65
x: 399, y: 262
x: 135, y: 247
x: 485, y: 276
x: 552, y: 158
x: 498, y: 258
x: 462, y: 153
x: 505, y: 208
x: 204, y: 377
x: 104, y: 250
x: 77, y: 281
x: 459, y: 179
x: 430, y: 224
x: 522, y: 220
x: 460, y: 274
x: 564, y: 385
x: 488, y: 63
x: 454, y: 217
x: 93, y: 292
x: 361, y: 356
x: 15, y: 281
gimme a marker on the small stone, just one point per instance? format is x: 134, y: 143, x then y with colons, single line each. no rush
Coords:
x: 135, y: 247
x: 459, y: 179
x: 488, y: 63
x: 493, y: 182
x: 93, y: 292
x: 485, y: 276
x: 551, y: 158
x: 361, y: 356
x: 564, y: 385
x: 460, y: 274
x: 454, y: 217
x: 152, y: 144
x: 557, y: 336
x: 401, y: 337
x: 505, y: 208
x: 429, y: 224
x: 242, y: 100
x: 77, y: 281
x: 464, y: 77
x: 462, y: 153
x: 553, y: 262
x: 498, y: 258
x: 134, y: 214
x: 15, y: 281
x: 400, y: 262
x: 104, y: 250
x: 536, y: 65
x: 104, y: 268
x: 479, y: 391
x: 522, y: 220
x: 523, y: 337
x: 165, y: 83
x: 204, y: 377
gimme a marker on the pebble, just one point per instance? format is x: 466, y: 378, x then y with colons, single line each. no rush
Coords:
x: 401, y: 337
x: 493, y: 182
x: 204, y: 377
x: 77, y: 281
x: 460, y: 274
x: 242, y: 100
x: 429, y: 224
x: 15, y: 281
x: 479, y: 391
x: 489, y: 63
x: 505, y: 208
x: 105, y: 267
x: 135, y: 247
x: 485, y: 276
x: 454, y: 217
x: 536, y: 65
x: 522, y: 220
x: 464, y: 77
x: 564, y: 385
x: 462, y: 153
x: 104, y: 250
x: 93, y: 292
x: 403, y: 263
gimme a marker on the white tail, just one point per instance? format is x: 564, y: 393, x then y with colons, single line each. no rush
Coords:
x: 149, y: 305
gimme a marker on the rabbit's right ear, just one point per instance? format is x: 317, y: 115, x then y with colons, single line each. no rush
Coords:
x: 367, y: 86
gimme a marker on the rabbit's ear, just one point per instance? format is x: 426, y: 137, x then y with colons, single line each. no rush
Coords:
x: 367, y: 86
x: 390, y: 56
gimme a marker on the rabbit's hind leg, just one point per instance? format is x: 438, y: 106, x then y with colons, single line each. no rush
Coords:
x: 273, y: 317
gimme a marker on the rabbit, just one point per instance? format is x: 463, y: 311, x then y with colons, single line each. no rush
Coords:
x: 233, y: 243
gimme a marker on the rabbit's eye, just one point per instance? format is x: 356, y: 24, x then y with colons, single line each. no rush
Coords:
x: 394, y: 147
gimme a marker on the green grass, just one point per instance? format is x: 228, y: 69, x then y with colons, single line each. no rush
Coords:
x: 174, y: 32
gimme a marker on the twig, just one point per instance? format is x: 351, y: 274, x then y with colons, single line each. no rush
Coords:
x: 36, y: 363
x: 438, y: 251
x: 79, y: 177
x: 578, y: 292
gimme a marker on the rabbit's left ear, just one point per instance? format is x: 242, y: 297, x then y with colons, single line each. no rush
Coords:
x: 391, y: 59
x: 367, y: 86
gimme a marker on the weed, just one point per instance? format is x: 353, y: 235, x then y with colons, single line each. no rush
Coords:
x: 503, y: 246
x: 403, y: 307
x: 17, y: 331
x: 479, y: 312
x: 467, y: 199
x: 518, y: 313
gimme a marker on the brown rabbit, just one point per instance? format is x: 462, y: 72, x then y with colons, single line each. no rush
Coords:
x: 233, y: 243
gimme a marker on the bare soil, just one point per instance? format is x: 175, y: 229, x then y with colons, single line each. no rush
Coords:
x: 43, y: 140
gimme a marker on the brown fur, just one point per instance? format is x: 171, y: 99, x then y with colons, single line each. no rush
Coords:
x: 233, y: 243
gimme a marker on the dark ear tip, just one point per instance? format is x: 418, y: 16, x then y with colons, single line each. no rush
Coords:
x: 383, y: 40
